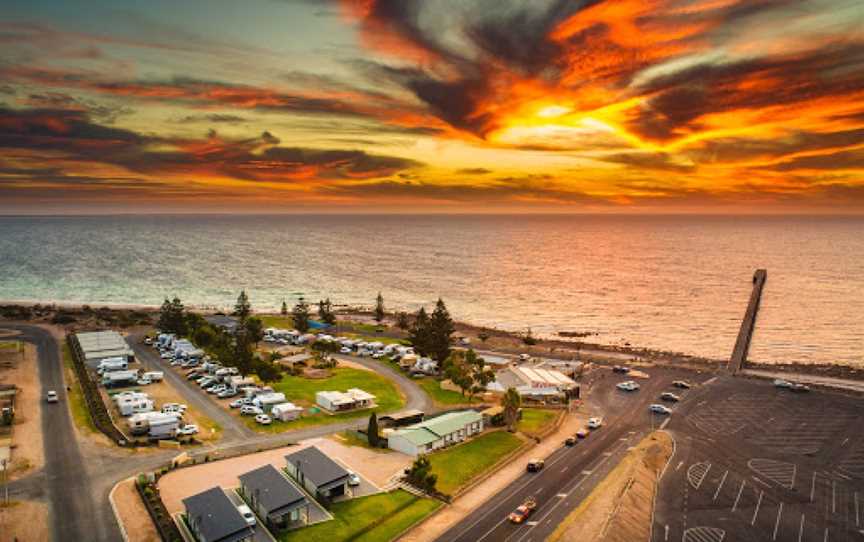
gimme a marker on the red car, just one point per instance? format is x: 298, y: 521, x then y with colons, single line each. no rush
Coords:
x: 523, y: 511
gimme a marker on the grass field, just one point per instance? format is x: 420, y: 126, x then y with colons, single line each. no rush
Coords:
x: 441, y: 396
x: 377, y: 518
x: 77, y: 405
x: 534, y: 420
x: 301, y: 391
x: 457, y: 466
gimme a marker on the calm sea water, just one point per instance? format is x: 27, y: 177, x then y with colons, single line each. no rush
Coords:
x: 676, y: 283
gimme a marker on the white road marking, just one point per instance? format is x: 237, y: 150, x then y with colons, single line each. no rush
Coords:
x: 825, y: 539
x: 666, y: 536
x: 857, y: 522
x: 833, y: 496
x: 561, y: 495
x: 801, y: 529
x: 777, y: 523
x: 680, y: 464
x: 719, y: 487
x: 735, y: 505
x: 665, y: 423
x: 756, y: 512
x: 813, y: 486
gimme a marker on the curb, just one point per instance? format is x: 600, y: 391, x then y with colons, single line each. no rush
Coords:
x: 114, y: 508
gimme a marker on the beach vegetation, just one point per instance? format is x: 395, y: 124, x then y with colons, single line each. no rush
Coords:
x: 172, y: 317
x: 300, y: 316
x: 420, y: 332
x: 284, y: 310
x: 378, y: 313
x: 243, y: 308
x: 441, y: 329
x: 325, y: 312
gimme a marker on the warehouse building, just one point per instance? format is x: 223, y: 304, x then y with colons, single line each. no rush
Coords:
x: 100, y: 345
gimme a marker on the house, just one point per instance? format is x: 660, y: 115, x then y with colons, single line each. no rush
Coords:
x: 534, y: 377
x: 320, y: 475
x: 336, y: 401
x: 275, y: 498
x: 212, y: 517
x: 435, y: 433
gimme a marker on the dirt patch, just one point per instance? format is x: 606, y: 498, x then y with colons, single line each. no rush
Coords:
x: 24, y: 520
x: 23, y: 371
x: 619, y: 509
x: 317, y: 374
x: 353, y: 365
x: 132, y: 514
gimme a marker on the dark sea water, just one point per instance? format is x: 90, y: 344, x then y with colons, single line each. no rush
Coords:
x: 674, y: 283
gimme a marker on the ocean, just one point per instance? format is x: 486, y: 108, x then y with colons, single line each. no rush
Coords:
x: 678, y: 283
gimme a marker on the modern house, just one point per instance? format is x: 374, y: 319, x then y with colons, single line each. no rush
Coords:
x: 212, y: 517
x: 337, y: 401
x: 435, y: 433
x: 320, y: 475
x: 273, y: 497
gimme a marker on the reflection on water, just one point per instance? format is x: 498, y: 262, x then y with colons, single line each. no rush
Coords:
x: 678, y: 283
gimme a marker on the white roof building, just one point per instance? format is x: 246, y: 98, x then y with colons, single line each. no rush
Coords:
x: 99, y: 345
x: 533, y: 377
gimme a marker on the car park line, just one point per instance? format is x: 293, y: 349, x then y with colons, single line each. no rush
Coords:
x: 735, y: 504
x: 857, y: 522
x: 720, y: 486
x: 813, y: 487
x: 777, y: 523
x: 801, y: 529
x: 758, y: 504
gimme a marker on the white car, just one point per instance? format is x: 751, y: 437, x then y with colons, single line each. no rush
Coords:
x: 217, y: 389
x: 144, y: 382
x: 187, y: 430
x: 166, y: 355
x: 250, y: 410
x: 353, y: 479
x: 378, y: 355
x: 247, y: 514
x: 229, y: 392
x: 344, y: 350
x: 779, y: 383
x: 168, y: 408
x: 628, y: 386
x: 660, y: 409
x: 237, y: 403
x: 148, y: 341
x: 595, y: 423
x: 51, y: 397
x: 263, y: 419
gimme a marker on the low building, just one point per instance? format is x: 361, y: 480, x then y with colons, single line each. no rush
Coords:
x: 98, y: 345
x: 275, y: 498
x: 7, y: 403
x: 402, y: 418
x: 336, y: 401
x: 435, y: 433
x: 534, y: 377
x: 212, y: 517
x: 320, y: 475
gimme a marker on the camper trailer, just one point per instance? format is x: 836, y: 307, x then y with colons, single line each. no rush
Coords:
x: 153, y: 376
x: 118, y: 379
x: 127, y: 406
x: 112, y: 364
x: 266, y: 401
x: 285, y: 412
x: 154, y: 424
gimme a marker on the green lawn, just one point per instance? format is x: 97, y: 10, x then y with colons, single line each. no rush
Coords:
x: 441, y: 396
x: 534, y: 420
x: 378, y: 518
x: 301, y: 391
x: 10, y: 345
x: 279, y: 321
x: 457, y: 466
x: 77, y: 405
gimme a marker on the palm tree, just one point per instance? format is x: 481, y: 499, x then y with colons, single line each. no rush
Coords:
x: 512, y: 402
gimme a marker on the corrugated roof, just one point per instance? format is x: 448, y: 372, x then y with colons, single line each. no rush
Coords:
x: 416, y: 435
x: 102, y: 343
x: 271, y: 489
x: 216, y: 516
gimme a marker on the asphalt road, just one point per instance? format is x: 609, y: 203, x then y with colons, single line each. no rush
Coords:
x: 570, y: 473
x: 756, y: 463
x: 64, y: 480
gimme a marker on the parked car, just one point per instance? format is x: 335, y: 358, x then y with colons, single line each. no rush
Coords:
x: 353, y: 479
x: 629, y: 385
x: 237, y: 403
x: 344, y: 350
x: 621, y: 369
x: 230, y: 392
x: 660, y: 409
x: 683, y: 384
x: 535, y: 465
x: 250, y: 410
x: 570, y: 441
x: 671, y: 397
x: 595, y: 423
x: 174, y: 407
x: 148, y: 341
x: 378, y: 355
x: 193, y: 375
x: 217, y: 389
x: 582, y: 433
x: 799, y: 387
x: 166, y: 355
x: 187, y: 430
x: 782, y: 384
x: 263, y: 419
x: 247, y: 514
x: 51, y: 397
x: 523, y: 511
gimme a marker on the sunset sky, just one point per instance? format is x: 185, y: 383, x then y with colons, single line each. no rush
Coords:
x: 432, y: 106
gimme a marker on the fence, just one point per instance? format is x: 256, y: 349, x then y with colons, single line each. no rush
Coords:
x: 95, y: 404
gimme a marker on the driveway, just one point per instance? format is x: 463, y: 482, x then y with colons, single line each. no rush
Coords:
x: 415, y: 397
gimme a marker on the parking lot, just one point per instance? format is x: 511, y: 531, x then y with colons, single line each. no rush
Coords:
x: 757, y: 463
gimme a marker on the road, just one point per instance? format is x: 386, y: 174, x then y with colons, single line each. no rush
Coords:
x: 570, y: 473
x: 64, y: 480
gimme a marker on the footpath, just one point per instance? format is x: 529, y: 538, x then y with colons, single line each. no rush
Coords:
x: 448, y: 516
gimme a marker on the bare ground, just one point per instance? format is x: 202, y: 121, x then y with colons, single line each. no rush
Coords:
x: 132, y: 514
x: 27, y: 452
x: 619, y: 509
x: 24, y: 521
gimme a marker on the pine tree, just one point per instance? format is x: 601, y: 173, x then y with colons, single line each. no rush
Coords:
x: 481, y: 375
x: 164, y: 323
x: 300, y: 315
x: 420, y: 332
x: 178, y: 317
x: 325, y: 312
x: 372, y: 431
x: 284, y: 308
x: 512, y: 402
x: 379, y: 308
x: 242, y: 308
x: 402, y: 321
x: 440, y: 329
